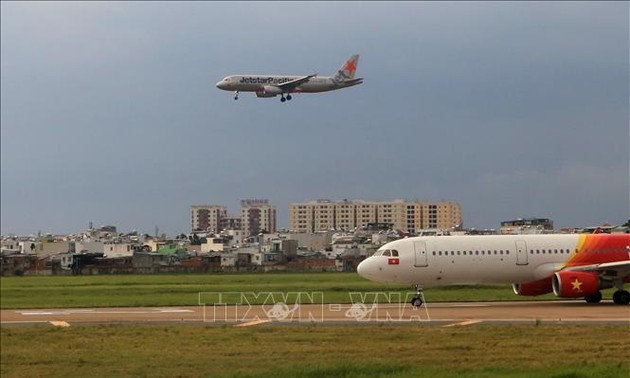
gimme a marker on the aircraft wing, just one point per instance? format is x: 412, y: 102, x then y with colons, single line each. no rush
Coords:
x: 607, y: 270
x: 289, y: 85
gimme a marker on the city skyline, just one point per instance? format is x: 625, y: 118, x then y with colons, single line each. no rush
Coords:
x: 442, y: 222
x: 511, y: 109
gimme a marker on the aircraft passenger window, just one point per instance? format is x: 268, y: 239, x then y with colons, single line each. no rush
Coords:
x: 555, y: 251
x: 477, y: 253
x: 387, y: 253
x: 457, y: 253
x: 394, y: 252
x: 433, y: 253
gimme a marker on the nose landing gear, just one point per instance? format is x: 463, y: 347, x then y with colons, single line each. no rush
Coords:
x: 417, y: 300
x: 236, y: 95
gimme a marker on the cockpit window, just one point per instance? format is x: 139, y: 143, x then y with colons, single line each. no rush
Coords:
x: 387, y: 253
x: 394, y: 252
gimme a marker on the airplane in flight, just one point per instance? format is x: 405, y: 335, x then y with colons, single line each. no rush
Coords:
x: 274, y: 85
x: 569, y: 265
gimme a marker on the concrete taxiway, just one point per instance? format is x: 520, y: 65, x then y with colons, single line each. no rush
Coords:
x: 439, y: 314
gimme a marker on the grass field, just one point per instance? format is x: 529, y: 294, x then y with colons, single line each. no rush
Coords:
x: 183, y: 289
x: 286, y: 350
x: 315, y: 351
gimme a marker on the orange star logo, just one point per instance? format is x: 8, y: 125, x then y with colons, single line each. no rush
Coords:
x: 577, y: 285
x: 350, y: 66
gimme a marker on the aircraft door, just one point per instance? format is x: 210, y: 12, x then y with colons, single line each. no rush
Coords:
x: 521, y: 252
x: 420, y: 249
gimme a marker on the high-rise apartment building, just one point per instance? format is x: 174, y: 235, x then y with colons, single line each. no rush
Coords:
x: 207, y: 218
x: 257, y: 215
x: 409, y: 216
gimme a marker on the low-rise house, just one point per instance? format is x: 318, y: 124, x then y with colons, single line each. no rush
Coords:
x: 216, y: 244
x: 118, y: 249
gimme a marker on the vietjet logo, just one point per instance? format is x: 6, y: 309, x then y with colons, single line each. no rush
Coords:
x: 393, y: 261
x: 577, y: 285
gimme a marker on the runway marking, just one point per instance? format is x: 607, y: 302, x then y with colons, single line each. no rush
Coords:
x: 59, y: 323
x: 253, y: 323
x: 464, y: 323
x: 470, y: 305
x: 96, y: 312
x: 175, y: 310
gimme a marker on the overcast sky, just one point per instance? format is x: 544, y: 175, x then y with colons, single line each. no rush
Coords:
x: 110, y: 112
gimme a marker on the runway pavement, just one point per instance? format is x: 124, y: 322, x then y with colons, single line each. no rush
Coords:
x: 438, y: 314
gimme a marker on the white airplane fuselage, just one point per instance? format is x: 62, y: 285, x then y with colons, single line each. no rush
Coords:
x: 517, y: 259
x: 435, y: 260
x: 253, y: 83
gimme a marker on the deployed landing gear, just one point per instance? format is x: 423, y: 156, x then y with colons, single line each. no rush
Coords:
x: 621, y: 297
x: 594, y: 298
x: 416, y: 301
x: 283, y: 99
x: 235, y: 95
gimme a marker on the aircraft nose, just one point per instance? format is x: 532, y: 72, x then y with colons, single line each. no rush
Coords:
x: 221, y: 84
x: 364, y: 270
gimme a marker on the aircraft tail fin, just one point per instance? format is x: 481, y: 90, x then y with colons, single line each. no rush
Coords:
x: 346, y: 72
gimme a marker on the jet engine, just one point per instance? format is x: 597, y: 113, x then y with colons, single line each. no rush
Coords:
x: 533, y: 289
x: 570, y: 284
x: 268, y: 91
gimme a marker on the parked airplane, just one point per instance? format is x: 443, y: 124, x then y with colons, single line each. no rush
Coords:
x: 569, y: 265
x: 273, y: 85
